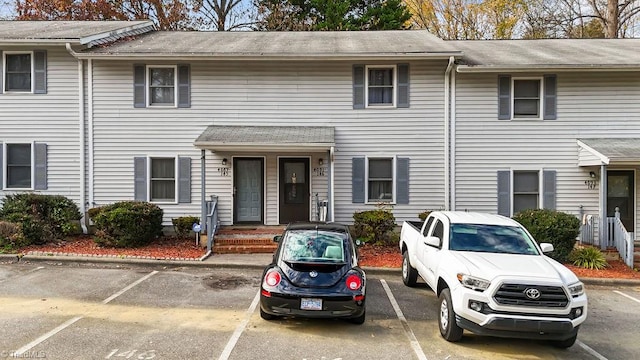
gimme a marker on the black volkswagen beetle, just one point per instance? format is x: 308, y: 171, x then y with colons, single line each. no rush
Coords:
x: 314, y: 274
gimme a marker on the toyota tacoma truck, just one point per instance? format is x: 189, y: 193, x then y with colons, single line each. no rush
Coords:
x: 492, y: 278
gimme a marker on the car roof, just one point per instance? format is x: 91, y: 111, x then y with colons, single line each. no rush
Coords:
x: 463, y: 217
x: 318, y: 226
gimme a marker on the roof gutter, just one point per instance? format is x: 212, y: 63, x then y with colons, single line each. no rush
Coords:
x: 447, y: 136
x: 251, y: 57
x: 530, y: 68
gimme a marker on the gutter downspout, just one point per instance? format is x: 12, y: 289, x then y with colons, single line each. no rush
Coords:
x: 447, y: 136
x: 332, y: 183
x: 453, y: 139
x: 90, y: 129
x: 81, y: 118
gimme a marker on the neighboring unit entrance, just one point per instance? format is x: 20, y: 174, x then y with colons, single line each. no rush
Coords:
x: 248, y: 190
x: 293, y: 190
x: 621, y: 194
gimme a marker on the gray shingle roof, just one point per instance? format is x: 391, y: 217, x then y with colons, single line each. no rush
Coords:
x: 79, y: 32
x: 615, y: 149
x: 224, y: 137
x: 548, y: 53
x: 284, y: 44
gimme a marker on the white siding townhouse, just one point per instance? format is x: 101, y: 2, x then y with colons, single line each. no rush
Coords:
x: 271, y: 122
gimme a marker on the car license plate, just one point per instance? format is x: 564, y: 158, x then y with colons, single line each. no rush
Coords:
x: 310, y: 304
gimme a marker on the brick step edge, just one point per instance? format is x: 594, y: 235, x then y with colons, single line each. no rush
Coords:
x: 235, y: 241
x: 268, y: 237
x: 248, y: 249
x: 256, y: 232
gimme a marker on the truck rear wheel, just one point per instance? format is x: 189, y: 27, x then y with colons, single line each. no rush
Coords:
x: 449, y: 330
x: 409, y: 273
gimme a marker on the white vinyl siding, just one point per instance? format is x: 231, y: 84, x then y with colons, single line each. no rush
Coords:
x: 278, y: 94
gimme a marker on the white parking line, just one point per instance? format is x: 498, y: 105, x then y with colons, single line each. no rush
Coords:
x: 412, y: 337
x: 70, y: 322
x: 28, y: 272
x: 590, y: 350
x: 627, y: 296
x: 240, y: 329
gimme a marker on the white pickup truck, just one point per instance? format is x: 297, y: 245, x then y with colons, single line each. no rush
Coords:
x: 492, y: 278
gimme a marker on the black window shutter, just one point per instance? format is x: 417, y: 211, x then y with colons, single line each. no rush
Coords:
x: 357, y: 180
x: 140, y: 178
x: 504, y: 97
x: 403, y: 86
x: 139, y: 86
x: 40, y: 72
x: 40, y: 181
x: 184, y: 86
x: 549, y: 189
x: 358, y: 86
x: 184, y: 179
x: 504, y: 193
x: 402, y: 181
x: 550, y: 97
x: 1, y: 166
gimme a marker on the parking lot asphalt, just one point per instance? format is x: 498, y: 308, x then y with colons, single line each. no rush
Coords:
x: 243, y: 261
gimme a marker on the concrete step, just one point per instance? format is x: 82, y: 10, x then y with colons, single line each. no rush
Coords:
x: 246, y: 239
x: 244, y: 249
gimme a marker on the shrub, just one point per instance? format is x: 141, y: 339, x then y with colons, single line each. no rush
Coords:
x: 11, y: 236
x: 127, y: 224
x: 374, y: 226
x: 548, y: 226
x: 183, y: 225
x: 589, y: 258
x: 43, y: 217
x: 423, y: 215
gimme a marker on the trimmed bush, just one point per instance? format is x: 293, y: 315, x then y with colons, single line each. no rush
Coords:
x: 127, y: 224
x: 588, y: 258
x: 184, y: 225
x: 374, y: 226
x: 11, y: 236
x: 43, y: 217
x: 555, y: 227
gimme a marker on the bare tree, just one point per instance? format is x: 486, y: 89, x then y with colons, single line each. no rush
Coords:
x: 225, y: 15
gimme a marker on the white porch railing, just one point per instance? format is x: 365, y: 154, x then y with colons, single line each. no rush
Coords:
x: 620, y: 238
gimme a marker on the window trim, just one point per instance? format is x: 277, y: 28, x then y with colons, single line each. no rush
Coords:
x: 541, y: 98
x: 393, y: 179
x: 5, y: 164
x: 147, y: 80
x: 539, y: 172
x: 394, y: 70
x: 150, y: 159
x: 4, y: 72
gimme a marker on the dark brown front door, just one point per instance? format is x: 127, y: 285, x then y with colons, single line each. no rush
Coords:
x: 621, y: 194
x: 293, y: 190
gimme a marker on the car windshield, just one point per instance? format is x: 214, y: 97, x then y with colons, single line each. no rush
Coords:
x: 491, y: 238
x: 313, y: 246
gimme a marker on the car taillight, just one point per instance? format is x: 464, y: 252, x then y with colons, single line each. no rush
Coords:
x: 354, y: 282
x: 272, y: 278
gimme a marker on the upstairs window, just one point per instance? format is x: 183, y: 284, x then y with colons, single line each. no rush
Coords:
x: 533, y: 98
x: 18, y: 72
x: 162, y: 86
x: 527, y: 94
x: 380, y: 86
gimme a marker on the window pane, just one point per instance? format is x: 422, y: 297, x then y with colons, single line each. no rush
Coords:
x: 162, y: 76
x: 526, y: 107
x: 162, y: 168
x: 162, y: 96
x: 525, y: 181
x: 19, y: 63
x: 524, y: 202
x: 380, y: 169
x: 19, y: 154
x: 380, y: 77
x: 163, y: 190
x: 18, y: 72
x: 526, y: 88
x: 19, y: 177
x: 380, y: 96
x: 380, y: 190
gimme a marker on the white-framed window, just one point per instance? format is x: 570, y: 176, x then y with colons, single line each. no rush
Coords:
x: 380, y: 182
x: 18, y: 71
x: 380, y: 85
x: 18, y: 160
x: 526, y: 190
x: 162, y: 80
x: 163, y: 186
x: 527, y: 98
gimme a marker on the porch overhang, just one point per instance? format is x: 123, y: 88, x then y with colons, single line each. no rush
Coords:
x: 608, y: 151
x: 231, y: 138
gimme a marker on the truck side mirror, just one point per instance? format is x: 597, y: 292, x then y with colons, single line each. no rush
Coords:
x: 432, y: 241
x: 546, y: 247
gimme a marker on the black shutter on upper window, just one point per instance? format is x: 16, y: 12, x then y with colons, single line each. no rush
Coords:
x: 358, y: 87
x: 504, y: 97
x: 139, y: 86
x: 40, y: 72
x: 1, y: 166
x: 550, y: 97
x: 403, y: 86
x: 184, y: 86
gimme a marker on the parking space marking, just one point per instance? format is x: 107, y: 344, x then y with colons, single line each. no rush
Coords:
x: 28, y: 272
x: 627, y: 296
x: 407, y: 330
x: 70, y: 322
x: 590, y: 350
x: 240, y: 329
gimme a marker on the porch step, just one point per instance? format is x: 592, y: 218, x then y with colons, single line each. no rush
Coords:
x: 246, y: 239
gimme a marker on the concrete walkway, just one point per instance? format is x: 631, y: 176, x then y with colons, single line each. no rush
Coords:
x: 238, y: 261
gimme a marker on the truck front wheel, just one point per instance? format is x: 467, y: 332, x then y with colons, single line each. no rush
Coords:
x: 449, y: 330
x: 409, y: 273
